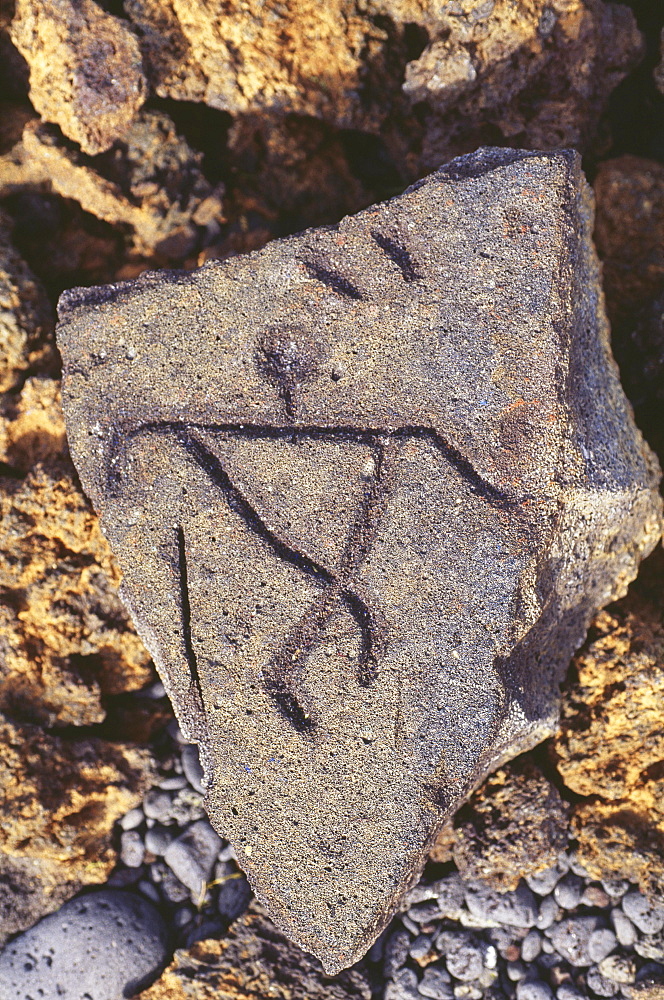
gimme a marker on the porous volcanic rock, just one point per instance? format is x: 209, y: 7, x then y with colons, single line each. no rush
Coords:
x: 515, y: 825
x: 59, y: 800
x: 251, y: 962
x: 539, y: 72
x: 150, y: 182
x: 629, y: 234
x: 367, y: 487
x: 85, y: 68
x: 610, y: 747
x: 25, y: 313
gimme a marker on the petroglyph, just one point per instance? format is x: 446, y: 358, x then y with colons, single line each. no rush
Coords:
x: 366, y: 486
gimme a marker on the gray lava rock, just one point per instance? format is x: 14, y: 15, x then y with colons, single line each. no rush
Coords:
x: 397, y: 947
x: 367, y: 486
x: 648, y: 918
x: 544, y: 882
x: 570, y: 939
x: 103, y: 946
x: 192, y: 856
x: 436, y: 983
x: 191, y: 765
x: 518, y: 908
x: 599, y: 984
x: 568, y: 891
x: 601, y: 943
x: 158, y: 839
x: 533, y: 989
x: 465, y: 954
x: 234, y: 897
x: 624, y: 928
x: 403, y: 986
x: 132, y: 849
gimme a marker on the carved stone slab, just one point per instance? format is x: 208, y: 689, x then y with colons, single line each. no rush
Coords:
x: 367, y: 486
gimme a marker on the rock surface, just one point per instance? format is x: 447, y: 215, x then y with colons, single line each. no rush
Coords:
x: 283, y: 497
x: 25, y: 313
x: 151, y: 182
x: 466, y: 67
x: 252, y: 962
x: 629, y: 233
x: 101, y: 946
x: 59, y: 800
x: 513, y: 826
x: 85, y: 68
x: 612, y: 717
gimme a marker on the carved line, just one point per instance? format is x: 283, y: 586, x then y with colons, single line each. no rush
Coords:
x: 337, y: 282
x: 185, y: 604
x: 398, y: 255
x: 280, y: 675
x: 493, y: 495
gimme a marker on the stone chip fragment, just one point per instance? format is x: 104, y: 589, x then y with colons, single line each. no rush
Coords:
x: 367, y: 486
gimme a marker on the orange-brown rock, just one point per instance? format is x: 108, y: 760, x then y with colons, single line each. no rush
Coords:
x: 59, y: 799
x: 252, y: 962
x: 610, y: 749
x: 537, y: 72
x: 150, y: 183
x: 514, y: 825
x: 25, y: 313
x: 85, y: 68
x: 65, y: 639
x: 629, y: 234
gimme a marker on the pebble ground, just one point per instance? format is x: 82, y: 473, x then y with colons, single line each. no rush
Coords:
x: 559, y: 934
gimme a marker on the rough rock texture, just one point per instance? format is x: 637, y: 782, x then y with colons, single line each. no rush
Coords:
x: 515, y: 825
x: 612, y: 717
x: 150, y: 182
x: 539, y: 72
x: 629, y: 234
x: 101, y: 946
x: 85, y: 68
x: 251, y: 962
x: 25, y: 314
x: 640, y: 354
x: 285, y: 449
x: 65, y: 638
x: 59, y: 799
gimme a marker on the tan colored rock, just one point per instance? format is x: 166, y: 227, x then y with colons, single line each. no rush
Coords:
x: 252, y: 962
x: 538, y: 71
x: 344, y: 61
x: 298, y: 56
x: 65, y: 638
x: 151, y: 184
x: 25, y: 313
x: 59, y: 799
x: 611, y: 745
x: 629, y: 234
x: 513, y: 826
x: 85, y: 68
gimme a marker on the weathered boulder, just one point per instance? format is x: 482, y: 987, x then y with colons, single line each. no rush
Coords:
x: 367, y: 487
